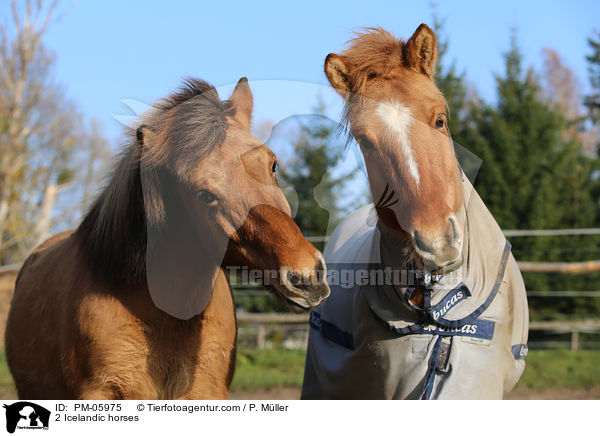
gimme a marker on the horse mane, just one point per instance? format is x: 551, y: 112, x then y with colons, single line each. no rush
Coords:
x: 373, y: 52
x: 182, y: 127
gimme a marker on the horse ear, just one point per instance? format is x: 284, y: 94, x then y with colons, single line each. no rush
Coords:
x: 144, y: 136
x: 337, y: 72
x: 420, y: 51
x: 140, y: 133
x: 241, y: 103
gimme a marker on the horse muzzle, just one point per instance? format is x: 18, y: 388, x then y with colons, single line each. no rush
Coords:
x: 304, y: 289
x: 441, y: 250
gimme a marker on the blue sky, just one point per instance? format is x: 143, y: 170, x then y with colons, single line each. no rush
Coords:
x: 112, y: 50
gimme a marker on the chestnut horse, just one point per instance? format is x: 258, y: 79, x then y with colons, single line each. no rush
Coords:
x: 135, y: 303
x: 453, y: 322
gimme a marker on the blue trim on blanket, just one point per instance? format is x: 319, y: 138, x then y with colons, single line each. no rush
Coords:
x: 475, y: 314
x: 520, y: 351
x: 436, y: 314
x: 433, y: 361
x: 453, y: 297
x: 479, y: 328
x: 402, y: 331
x: 427, y: 300
x: 331, y: 331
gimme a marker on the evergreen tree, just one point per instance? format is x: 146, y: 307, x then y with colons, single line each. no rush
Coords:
x: 463, y: 103
x: 449, y: 80
x: 316, y: 151
x: 593, y: 100
x: 535, y: 177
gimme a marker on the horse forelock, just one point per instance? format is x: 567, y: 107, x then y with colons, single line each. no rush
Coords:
x: 374, y: 51
x: 184, y: 127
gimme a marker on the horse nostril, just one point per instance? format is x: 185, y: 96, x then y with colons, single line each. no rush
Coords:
x: 320, y: 269
x: 295, y: 279
x: 455, y: 233
x: 420, y: 243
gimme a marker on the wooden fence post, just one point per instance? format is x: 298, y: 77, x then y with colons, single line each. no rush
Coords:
x: 574, y: 340
x: 260, y: 336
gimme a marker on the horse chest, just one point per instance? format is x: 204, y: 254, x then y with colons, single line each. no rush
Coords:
x: 171, y: 360
x: 188, y: 363
x: 148, y: 354
x: 142, y: 358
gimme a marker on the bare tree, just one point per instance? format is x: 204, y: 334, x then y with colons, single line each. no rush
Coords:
x: 562, y: 86
x: 93, y: 159
x: 19, y: 55
x: 44, y: 144
x: 562, y: 90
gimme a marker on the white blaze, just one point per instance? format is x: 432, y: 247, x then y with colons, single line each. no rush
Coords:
x: 398, y: 119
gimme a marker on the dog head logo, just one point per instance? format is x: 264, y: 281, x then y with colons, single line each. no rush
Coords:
x: 26, y: 415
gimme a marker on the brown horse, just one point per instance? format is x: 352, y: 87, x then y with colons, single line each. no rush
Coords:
x: 135, y: 303
x: 398, y: 116
x: 459, y: 329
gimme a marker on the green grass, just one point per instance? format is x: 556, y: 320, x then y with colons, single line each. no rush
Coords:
x: 546, y: 369
x: 562, y: 369
x: 7, y: 387
x: 264, y: 369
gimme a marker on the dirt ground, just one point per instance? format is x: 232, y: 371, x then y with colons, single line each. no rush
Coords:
x: 287, y: 393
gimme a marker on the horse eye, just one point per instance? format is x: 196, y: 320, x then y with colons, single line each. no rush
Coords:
x: 440, y: 123
x: 208, y: 197
x: 274, y: 168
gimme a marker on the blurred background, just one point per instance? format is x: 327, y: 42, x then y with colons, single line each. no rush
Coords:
x: 522, y: 80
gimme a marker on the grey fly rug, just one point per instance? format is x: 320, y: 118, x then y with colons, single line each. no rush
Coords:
x: 367, y: 341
